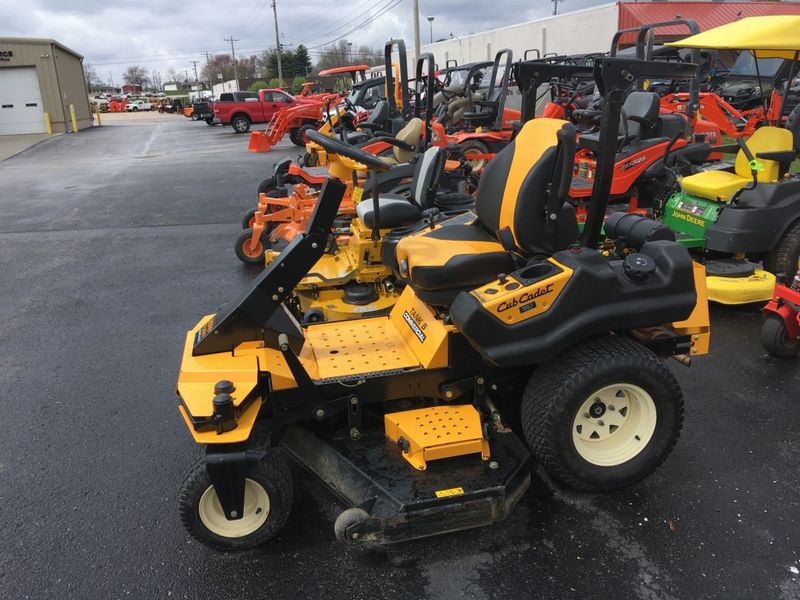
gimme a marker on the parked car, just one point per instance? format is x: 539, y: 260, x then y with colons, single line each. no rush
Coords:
x: 137, y: 105
x: 242, y: 109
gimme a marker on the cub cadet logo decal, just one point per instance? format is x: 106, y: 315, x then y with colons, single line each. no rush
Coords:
x: 416, y: 323
x: 524, y: 299
x: 632, y: 163
x: 687, y: 218
x: 6, y: 55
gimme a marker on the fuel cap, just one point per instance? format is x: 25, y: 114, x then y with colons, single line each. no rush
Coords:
x: 638, y: 267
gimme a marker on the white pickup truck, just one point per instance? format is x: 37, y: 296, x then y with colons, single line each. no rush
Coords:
x: 138, y: 105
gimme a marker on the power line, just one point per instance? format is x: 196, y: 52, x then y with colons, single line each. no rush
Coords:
x: 334, y: 25
x: 362, y: 24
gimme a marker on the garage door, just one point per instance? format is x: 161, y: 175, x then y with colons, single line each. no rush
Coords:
x: 21, y: 108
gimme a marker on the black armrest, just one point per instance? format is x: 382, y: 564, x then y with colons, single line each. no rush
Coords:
x: 487, y: 103
x: 643, y: 121
x: 587, y: 115
x: 371, y: 126
x: 395, y: 142
x: 782, y: 156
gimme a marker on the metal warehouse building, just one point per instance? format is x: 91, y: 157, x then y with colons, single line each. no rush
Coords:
x: 39, y: 76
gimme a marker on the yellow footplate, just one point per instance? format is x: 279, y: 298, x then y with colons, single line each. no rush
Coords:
x: 437, y: 432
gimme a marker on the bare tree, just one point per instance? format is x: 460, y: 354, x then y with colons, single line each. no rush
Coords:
x: 90, y: 74
x: 174, y: 75
x: 343, y: 53
x: 136, y: 76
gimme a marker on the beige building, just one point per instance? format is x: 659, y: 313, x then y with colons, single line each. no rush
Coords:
x: 38, y: 77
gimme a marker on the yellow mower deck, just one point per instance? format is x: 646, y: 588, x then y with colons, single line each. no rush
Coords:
x: 757, y: 287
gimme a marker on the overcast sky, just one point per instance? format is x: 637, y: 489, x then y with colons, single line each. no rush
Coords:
x: 159, y: 34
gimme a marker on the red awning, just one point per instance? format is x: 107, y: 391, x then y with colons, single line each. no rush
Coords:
x: 707, y: 14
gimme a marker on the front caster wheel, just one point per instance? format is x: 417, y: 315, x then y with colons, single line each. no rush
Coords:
x: 248, y: 252
x: 267, y: 501
x: 775, y: 338
x: 602, y: 415
x: 352, y: 516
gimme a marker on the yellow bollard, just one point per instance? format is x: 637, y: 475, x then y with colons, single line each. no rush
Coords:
x: 47, y: 124
x: 74, y: 120
x: 99, y: 122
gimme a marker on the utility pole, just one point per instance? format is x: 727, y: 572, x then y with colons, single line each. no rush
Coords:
x: 111, y: 77
x: 555, y: 6
x: 194, y: 64
x: 233, y: 55
x: 278, y: 43
x: 208, y: 72
x: 416, y: 29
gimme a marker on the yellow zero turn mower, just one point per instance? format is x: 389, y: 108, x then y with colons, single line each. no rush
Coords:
x: 413, y: 418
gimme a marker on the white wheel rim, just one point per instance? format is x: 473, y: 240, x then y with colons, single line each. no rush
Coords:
x: 256, y: 511
x: 614, y: 424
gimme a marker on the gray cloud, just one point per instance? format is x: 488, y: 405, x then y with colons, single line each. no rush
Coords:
x: 159, y: 34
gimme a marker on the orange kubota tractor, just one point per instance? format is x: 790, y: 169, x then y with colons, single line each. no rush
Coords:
x: 294, y: 119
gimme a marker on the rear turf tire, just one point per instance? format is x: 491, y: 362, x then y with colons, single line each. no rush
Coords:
x: 246, y: 252
x: 267, y: 185
x: 298, y: 134
x: 559, y: 420
x: 775, y: 338
x: 268, y: 500
x: 474, y: 147
x: 785, y: 256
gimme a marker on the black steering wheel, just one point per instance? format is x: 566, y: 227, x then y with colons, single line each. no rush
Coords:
x: 334, y: 146
x: 349, y: 105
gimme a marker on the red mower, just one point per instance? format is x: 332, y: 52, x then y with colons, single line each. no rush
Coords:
x: 780, y: 333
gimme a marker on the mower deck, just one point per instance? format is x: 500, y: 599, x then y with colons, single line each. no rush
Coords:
x: 403, y: 503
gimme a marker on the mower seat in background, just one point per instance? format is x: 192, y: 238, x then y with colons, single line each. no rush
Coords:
x: 410, y: 134
x: 721, y: 185
x: 643, y: 105
x: 374, y: 123
x: 397, y: 210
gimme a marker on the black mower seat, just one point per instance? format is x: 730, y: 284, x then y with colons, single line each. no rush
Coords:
x: 644, y: 108
x: 511, y: 199
x: 397, y: 210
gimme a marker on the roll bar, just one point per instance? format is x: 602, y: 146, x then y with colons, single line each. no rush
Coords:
x: 615, y: 78
x: 529, y: 75
x: 501, y: 102
x: 430, y: 86
x: 405, y: 111
x: 645, y: 39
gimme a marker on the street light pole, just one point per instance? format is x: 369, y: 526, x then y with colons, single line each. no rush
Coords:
x: 430, y: 20
x: 416, y: 29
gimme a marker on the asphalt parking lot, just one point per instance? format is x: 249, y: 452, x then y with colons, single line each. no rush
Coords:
x: 114, y: 242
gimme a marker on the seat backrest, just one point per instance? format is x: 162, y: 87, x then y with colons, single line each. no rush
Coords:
x: 513, y: 189
x: 409, y: 134
x: 379, y: 113
x: 426, y: 177
x: 640, y: 104
x: 765, y: 139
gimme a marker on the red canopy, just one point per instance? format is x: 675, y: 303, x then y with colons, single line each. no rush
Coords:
x: 338, y: 70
